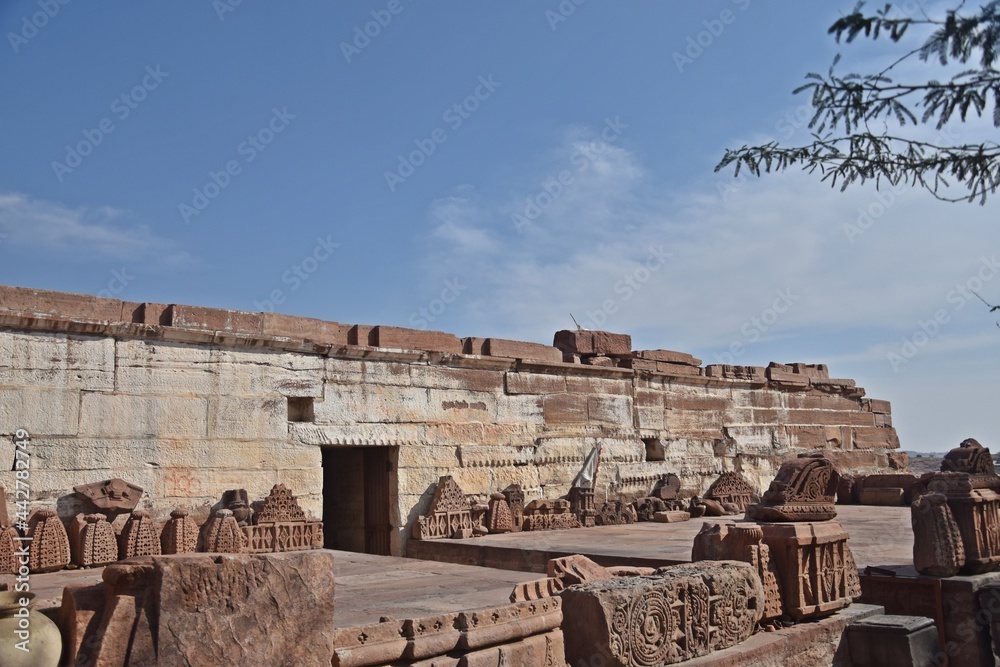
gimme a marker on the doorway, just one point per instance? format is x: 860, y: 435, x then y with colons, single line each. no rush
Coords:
x: 357, y: 497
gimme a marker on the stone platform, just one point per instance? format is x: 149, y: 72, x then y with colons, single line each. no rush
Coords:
x: 880, y: 536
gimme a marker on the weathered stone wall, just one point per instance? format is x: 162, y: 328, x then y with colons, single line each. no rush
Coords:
x: 188, y: 402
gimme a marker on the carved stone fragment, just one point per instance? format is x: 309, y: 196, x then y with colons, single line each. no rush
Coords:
x: 667, y: 487
x: 238, y: 502
x: 679, y: 613
x: 976, y: 509
x: 970, y: 457
x: 937, y: 541
x: 10, y: 541
x: 745, y: 542
x: 646, y: 508
x: 97, y: 543
x: 115, y: 495
x: 672, y: 516
x: 179, y: 534
x: 139, y: 537
x: 515, y: 499
x: 731, y: 487
x: 816, y: 571
x: 614, y: 513
x: 449, y: 514
x: 499, y: 519
x: 581, y: 503
x: 222, y: 534
x: 803, y: 490
x: 49, y: 548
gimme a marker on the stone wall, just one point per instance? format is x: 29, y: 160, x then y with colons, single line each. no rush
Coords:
x: 188, y: 402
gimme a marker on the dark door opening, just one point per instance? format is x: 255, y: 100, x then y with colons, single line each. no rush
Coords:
x: 356, y: 498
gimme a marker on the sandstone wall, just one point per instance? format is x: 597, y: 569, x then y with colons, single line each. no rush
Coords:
x: 188, y: 402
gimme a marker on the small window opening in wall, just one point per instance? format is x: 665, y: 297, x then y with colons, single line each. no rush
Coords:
x: 654, y: 449
x: 300, y: 409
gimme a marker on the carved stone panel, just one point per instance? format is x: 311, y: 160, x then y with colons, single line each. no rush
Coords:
x: 179, y: 534
x: 581, y: 503
x: 450, y: 514
x: 279, y: 506
x: 804, y: 489
x: 646, y: 508
x: 49, y: 548
x: 937, y: 541
x: 970, y: 457
x: 745, y: 542
x: 288, y: 536
x: 139, y: 537
x: 677, y: 614
x: 614, y: 513
x: 816, y: 569
x: 732, y: 488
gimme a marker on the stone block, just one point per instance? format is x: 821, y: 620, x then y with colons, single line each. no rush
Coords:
x: 679, y: 613
x: 414, y: 339
x: 304, y: 328
x: 804, y: 489
x: 115, y: 415
x: 743, y: 542
x: 787, y: 379
x: 671, y: 516
x: 564, y: 409
x: 239, y: 418
x: 883, y: 641
x: 79, y: 617
x: 534, y: 383
x: 888, y: 496
x: 40, y: 412
x: 151, y: 313
x: 876, y: 405
x: 599, y: 360
x: 668, y: 356
x: 215, y: 319
x: 499, y: 347
x: 811, y: 370
x: 594, y: 343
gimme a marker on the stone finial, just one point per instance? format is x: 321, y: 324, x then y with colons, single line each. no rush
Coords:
x: 97, y: 543
x: 49, y: 549
x: 179, y: 534
x: 139, y: 537
x: 498, y: 515
x: 279, y: 506
x: 222, y: 534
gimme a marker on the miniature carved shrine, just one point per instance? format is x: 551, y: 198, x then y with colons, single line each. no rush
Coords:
x: 733, y: 489
x: 281, y: 525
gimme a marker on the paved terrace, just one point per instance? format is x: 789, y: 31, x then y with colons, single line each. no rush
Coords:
x: 372, y: 586
x: 880, y: 536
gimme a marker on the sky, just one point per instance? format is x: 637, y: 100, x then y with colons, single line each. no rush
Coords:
x: 489, y: 169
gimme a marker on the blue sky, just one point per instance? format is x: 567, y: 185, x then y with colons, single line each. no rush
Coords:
x: 487, y: 169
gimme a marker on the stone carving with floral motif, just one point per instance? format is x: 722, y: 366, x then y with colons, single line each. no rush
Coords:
x: 804, y: 489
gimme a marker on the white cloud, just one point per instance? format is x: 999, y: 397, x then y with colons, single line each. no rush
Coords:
x: 85, y: 232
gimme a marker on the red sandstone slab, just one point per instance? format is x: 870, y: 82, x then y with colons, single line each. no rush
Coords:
x: 668, y: 356
x: 60, y: 304
x: 811, y: 370
x: 415, y: 339
x: 876, y: 405
x: 535, y: 383
x: 787, y: 378
x: 151, y: 313
x: 215, y: 319
x: 594, y: 342
x: 305, y: 328
x: 515, y: 349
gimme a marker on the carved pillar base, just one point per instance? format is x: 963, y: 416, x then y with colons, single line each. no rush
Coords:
x: 816, y: 567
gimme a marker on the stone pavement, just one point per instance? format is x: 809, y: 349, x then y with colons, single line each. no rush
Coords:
x: 880, y: 536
